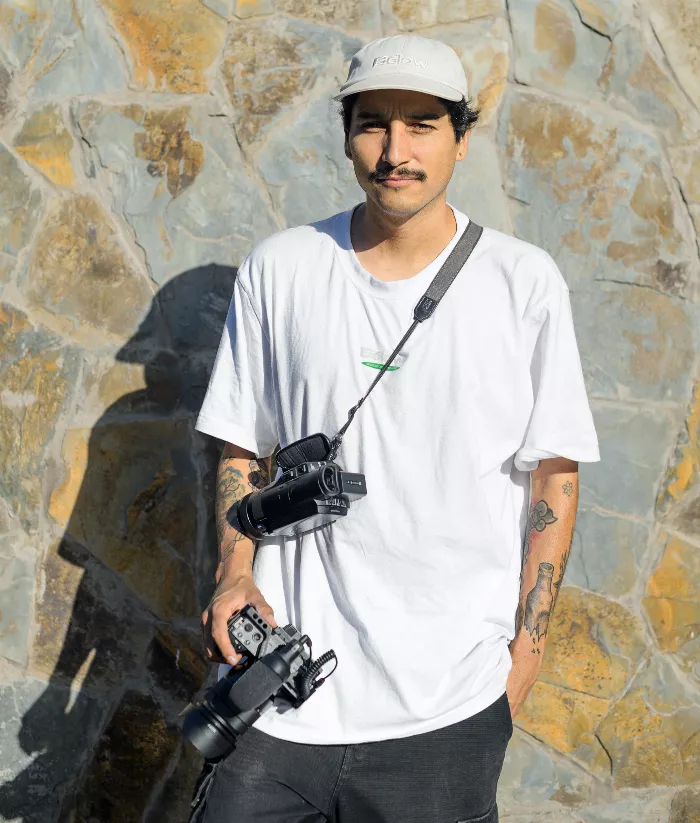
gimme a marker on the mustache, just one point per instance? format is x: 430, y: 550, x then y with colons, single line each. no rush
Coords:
x: 378, y: 175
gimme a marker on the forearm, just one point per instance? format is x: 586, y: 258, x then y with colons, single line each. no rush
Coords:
x: 239, y: 473
x: 549, y: 533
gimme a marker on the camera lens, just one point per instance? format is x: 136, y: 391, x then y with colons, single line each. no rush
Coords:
x: 329, y: 479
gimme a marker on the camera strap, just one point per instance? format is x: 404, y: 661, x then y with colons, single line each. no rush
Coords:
x: 423, y: 310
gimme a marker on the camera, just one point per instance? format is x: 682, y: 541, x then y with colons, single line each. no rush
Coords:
x: 277, y: 670
x: 311, y: 492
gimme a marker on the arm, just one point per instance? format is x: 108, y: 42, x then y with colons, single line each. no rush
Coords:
x: 239, y: 473
x: 548, y: 542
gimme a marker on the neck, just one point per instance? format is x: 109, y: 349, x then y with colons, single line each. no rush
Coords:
x: 394, y: 247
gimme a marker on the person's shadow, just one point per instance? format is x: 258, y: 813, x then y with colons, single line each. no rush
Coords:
x: 117, y: 620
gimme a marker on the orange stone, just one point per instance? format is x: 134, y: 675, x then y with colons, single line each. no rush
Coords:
x: 46, y: 143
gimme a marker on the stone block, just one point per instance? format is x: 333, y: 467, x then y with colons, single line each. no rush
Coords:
x: 652, y: 734
x: 672, y: 603
x: 133, y: 756
x: 173, y: 800
x: 677, y: 25
x: 635, y: 343
x: 641, y: 807
x: 5, y: 92
x: 594, y: 644
x: 46, y: 736
x: 172, y: 46
x: 635, y: 80
x: 167, y: 166
x: 418, y: 14
x: 17, y: 561
x: 484, y: 49
x: 685, y: 807
x: 129, y: 496
x: 554, y: 49
x: 305, y: 168
x: 269, y: 65
x: 76, y: 54
x: 606, y: 553
x: 476, y: 187
x: 22, y: 27
x: 633, y: 448
x: 38, y: 372
x: 678, y: 501
x: 45, y: 142
x: 685, y: 161
x: 348, y: 15
x: 178, y: 664
x: 90, y: 629
x: 535, y: 778
x: 79, y: 269
x: 605, y: 16
x: 594, y: 192
x: 565, y: 720
x: 20, y: 208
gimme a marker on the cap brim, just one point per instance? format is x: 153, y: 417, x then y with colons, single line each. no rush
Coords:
x: 402, y: 81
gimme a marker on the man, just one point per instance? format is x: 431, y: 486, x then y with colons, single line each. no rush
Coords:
x: 417, y: 588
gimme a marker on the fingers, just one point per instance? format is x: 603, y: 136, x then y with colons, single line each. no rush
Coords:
x: 264, y: 609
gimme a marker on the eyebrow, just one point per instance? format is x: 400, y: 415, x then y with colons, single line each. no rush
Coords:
x: 371, y: 115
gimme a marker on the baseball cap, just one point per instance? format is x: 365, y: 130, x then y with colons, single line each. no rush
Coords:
x: 406, y: 61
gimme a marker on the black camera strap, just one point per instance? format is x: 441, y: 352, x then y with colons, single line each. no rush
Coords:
x: 423, y: 310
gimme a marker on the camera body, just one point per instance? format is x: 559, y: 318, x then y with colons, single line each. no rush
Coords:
x: 277, y: 670
x: 304, y: 497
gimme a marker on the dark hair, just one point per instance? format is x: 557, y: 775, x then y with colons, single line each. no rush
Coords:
x: 462, y: 116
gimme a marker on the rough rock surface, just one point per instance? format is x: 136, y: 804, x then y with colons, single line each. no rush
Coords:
x: 145, y: 147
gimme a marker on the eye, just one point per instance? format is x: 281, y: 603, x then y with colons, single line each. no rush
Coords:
x: 371, y: 125
x: 422, y: 127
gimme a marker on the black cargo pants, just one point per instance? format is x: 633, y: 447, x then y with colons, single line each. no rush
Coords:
x: 446, y: 776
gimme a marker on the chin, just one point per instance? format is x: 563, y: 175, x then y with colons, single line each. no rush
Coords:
x: 399, y: 204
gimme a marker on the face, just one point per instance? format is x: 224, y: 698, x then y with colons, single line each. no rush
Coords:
x: 403, y: 148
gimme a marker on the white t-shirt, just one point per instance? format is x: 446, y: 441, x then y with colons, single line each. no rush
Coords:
x: 416, y: 588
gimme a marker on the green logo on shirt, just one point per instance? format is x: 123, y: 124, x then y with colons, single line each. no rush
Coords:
x: 376, y: 359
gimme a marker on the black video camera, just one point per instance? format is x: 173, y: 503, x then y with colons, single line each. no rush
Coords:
x: 311, y: 491
x: 277, y: 670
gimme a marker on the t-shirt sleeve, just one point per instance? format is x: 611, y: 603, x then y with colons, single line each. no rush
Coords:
x: 239, y: 404
x: 561, y: 423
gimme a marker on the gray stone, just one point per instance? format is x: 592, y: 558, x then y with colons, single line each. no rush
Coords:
x: 23, y: 25
x: 20, y: 207
x: 476, y: 186
x: 635, y: 343
x: 634, y: 444
x: 168, y: 167
x: 38, y: 372
x: 45, y: 739
x: 78, y: 54
x: 17, y: 560
x: 5, y: 86
x: 644, y: 807
x: 270, y: 65
x: 636, y: 81
x: 536, y: 778
x: 605, y: 16
x: 305, y: 166
x: 348, y: 15
x: 606, y: 553
x: 594, y: 192
x: 553, y: 49
x: 418, y: 14
x: 677, y: 25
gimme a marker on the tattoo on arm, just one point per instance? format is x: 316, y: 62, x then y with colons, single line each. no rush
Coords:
x: 539, y: 603
x: 229, y: 488
x: 568, y: 488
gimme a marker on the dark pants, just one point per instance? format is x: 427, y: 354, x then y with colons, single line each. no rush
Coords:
x: 446, y: 776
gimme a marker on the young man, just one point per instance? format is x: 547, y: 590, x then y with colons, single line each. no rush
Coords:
x: 417, y: 588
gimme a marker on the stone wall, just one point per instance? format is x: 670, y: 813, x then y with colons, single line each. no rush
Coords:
x: 145, y: 147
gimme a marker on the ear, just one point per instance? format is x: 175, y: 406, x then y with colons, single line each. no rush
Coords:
x: 463, y: 147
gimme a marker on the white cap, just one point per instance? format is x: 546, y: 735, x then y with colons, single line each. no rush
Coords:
x: 406, y: 61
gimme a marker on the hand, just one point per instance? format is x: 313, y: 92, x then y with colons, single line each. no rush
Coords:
x: 232, y: 593
x: 521, y: 679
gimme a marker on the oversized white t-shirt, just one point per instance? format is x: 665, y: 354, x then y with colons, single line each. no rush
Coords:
x: 416, y: 588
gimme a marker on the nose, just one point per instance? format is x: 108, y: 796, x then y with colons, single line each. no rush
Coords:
x: 397, y: 144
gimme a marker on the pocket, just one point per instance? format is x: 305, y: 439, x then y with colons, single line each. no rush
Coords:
x: 201, y: 791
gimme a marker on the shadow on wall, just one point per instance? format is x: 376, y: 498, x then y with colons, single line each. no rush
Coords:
x: 136, y: 562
